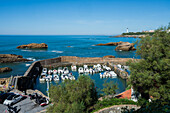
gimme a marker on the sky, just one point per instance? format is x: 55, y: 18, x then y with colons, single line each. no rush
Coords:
x: 81, y: 17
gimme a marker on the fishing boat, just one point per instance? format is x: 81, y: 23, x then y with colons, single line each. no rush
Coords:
x: 113, y: 74
x: 49, y: 78
x: 86, y: 70
x: 56, y: 77
x: 42, y: 77
x: 44, y: 70
x: 80, y: 70
x: 73, y: 68
x: 50, y: 72
x: 85, y: 66
x: 60, y: 70
x: 92, y: 71
x: 65, y: 70
x: 108, y: 69
x: 104, y: 66
x: 54, y: 71
x: 71, y: 77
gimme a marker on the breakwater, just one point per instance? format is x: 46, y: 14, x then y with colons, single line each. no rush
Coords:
x: 27, y: 81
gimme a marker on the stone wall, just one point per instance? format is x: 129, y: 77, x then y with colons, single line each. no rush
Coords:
x: 50, y: 61
x: 117, y: 108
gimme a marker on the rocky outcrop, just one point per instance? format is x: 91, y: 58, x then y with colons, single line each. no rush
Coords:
x: 5, y: 69
x: 8, y: 58
x: 125, y: 46
x: 109, y: 44
x: 33, y: 46
x: 109, y: 56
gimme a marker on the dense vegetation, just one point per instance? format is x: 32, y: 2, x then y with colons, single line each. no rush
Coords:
x: 139, y: 33
x: 150, y: 76
x: 73, y: 96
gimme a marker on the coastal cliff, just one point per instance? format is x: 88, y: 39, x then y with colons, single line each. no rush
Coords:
x: 33, y: 46
x: 9, y: 58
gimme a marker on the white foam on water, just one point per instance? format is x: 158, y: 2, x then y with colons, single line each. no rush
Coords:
x: 26, y: 50
x: 57, y: 51
x: 93, y: 45
x: 33, y: 59
x: 27, y: 65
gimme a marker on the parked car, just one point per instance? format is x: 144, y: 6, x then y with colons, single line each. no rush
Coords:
x: 4, y: 96
x: 12, y: 99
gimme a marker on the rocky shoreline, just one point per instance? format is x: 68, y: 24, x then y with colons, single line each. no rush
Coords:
x: 9, y: 58
x: 129, y: 36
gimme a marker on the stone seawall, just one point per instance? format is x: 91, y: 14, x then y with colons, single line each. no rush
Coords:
x: 94, y: 60
x: 117, y: 108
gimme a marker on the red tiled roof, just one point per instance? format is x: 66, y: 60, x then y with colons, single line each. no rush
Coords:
x: 126, y: 94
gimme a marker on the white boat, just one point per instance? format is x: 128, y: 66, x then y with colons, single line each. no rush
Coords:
x: 86, y: 70
x: 92, y: 71
x: 73, y: 68
x: 80, y: 70
x: 98, y: 65
x: 71, y: 77
x: 104, y: 66
x: 56, y: 77
x: 44, y: 70
x: 42, y: 77
x: 108, y: 69
x: 119, y: 66
x: 99, y: 69
x: 65, y: 70
x: 94, y: 66
x: 85, y: 66
x: 60, y: 70
x: 50, y: 72
x: 54, y: 71
x: 101, y: 75
x: 49, y: 78
x: 63, y: 77
x: 113, y: 74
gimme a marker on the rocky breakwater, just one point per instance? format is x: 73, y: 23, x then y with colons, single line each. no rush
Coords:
x: 9, y: 58
x: 33, y: 46
x: 5, y: 69
x: 123, y: 46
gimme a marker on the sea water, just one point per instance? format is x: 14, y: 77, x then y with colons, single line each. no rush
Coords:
x: 64, y: 45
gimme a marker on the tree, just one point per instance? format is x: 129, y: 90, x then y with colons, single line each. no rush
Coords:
x: 150, y: 76
x: 109, y: 88
x: 73, y: 96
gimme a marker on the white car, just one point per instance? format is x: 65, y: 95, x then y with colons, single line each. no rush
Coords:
x: 12, y: 99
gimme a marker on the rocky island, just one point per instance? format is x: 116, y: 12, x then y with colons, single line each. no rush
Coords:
x: 33, y: 46
x: 5, y: 69
x: 122, y: 46
x: 9, y: 58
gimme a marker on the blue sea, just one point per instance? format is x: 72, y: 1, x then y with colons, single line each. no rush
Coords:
x: 79, y: 45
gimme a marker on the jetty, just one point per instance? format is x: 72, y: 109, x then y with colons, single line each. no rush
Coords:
x: 28, y: 80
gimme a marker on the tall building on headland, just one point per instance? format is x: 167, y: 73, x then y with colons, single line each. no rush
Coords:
x: 127, y: 31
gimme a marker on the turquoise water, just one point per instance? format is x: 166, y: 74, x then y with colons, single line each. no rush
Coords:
x: 81, y: 46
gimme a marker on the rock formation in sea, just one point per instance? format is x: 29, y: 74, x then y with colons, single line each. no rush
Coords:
x: 9, y: 58
x: 125, y: 46
x: 5, y: 69
x: 33, y: 46
x: 109, y: 56
x: 109, y: 44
